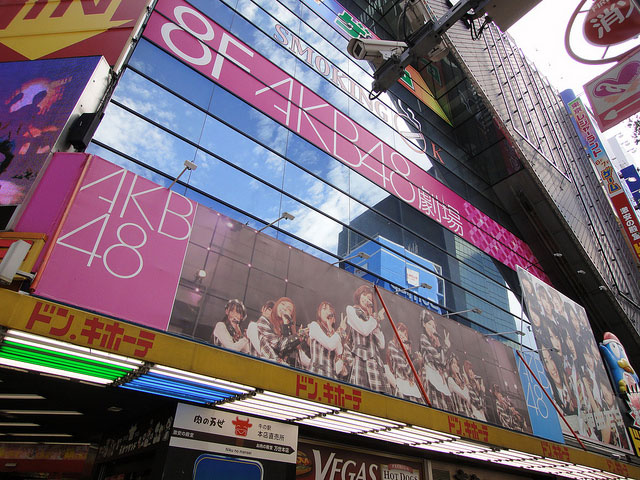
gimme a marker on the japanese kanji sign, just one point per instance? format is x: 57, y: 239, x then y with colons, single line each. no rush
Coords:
x: 233, y: 433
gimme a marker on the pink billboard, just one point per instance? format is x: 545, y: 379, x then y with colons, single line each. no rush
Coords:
x: 121, y: 246
x: 198, y: 41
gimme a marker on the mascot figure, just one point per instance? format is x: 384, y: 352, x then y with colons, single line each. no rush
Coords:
x: 622, y: 374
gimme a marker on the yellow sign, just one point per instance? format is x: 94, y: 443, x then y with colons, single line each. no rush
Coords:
x: 59, y: 24
x: 80, y: 327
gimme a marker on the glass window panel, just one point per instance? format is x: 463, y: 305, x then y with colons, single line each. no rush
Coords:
x: 235, y: 188
x: 143, y: 141
x: 316, y: 193
x: 365, y: 191
x: 252, y: 122
x: 311, y: 226
x: 315, y: 160
x: 169, y: 71
x: 217, y: 10
x: 273, y: 9
x: 259, y: 41
x: 243, y: 152
x: 157, y: 104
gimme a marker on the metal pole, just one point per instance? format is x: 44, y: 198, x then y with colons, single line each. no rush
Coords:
x: 406, y: 354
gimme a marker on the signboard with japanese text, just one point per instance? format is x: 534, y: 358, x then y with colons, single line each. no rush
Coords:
x: 177, y: 27
x: 197, y: 357
x: 232, y: 433
x: 608, y: 175
x: 571, y: 359
x: 36, y: 101
x: 32, y: 30
x: 321, y: 462
x: 121, y: 246
x: 615, y: 95
x: 610, y: 22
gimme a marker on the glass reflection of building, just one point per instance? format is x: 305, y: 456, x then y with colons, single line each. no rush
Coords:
x: 252, y: 168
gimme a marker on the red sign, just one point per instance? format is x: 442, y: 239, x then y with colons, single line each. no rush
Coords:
x: 610, y: 22
x: 615, y: 95
x: 78, y: 28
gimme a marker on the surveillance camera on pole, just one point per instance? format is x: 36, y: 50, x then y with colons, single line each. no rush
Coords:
x: 391, y: 58
x: 375, y: 51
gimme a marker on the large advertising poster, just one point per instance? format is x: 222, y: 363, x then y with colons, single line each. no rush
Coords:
x: 36, y: 100
x: 253, y: 294
x: 31, y: 30
x: 205, y: 46
x: 323, y: 462
x: 572, y: 362
x: 143, y: 253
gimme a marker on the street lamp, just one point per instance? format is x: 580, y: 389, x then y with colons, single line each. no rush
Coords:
x: 422, y: 285
x: 474, y: 310
x: 284, y: 216
x: 517, y: 332
x: 361, y: 255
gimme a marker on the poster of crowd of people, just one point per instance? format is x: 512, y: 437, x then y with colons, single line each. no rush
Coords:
x: 248, y: 292
x: 570, y: 356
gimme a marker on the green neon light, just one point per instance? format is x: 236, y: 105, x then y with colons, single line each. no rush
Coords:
x: 45, y: 351
x: 65, y: 366
x: 62, y: 361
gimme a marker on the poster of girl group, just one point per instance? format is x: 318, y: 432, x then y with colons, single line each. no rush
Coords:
x: 250, y: 293
x: 571, y: 359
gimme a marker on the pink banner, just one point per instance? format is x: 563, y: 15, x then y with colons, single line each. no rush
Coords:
x: 201, y: 43
x: 121, y: 247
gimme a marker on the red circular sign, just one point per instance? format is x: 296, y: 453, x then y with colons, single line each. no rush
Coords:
x: 610, y: 22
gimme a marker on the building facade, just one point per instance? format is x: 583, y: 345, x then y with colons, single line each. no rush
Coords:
x: 250, y: 229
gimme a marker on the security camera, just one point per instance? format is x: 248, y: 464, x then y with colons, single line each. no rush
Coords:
x: 374, y: 51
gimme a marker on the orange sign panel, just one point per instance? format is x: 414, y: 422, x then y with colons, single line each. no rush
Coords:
x: 33, y: 29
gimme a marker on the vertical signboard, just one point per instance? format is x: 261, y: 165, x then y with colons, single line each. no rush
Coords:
x: 571, y: 359
x: 31, y: 30
x: 36, y: 101
x: 121, y: 247
x: 609, y: 176
x: 544, y: 418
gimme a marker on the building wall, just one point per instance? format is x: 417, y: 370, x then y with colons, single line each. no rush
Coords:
x: 253, y: 169
x: 537, y: 124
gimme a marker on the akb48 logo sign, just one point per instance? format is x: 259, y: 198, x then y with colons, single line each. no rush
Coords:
x: 121, y: 246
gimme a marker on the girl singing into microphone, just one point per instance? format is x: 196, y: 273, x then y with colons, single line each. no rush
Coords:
x: 227, y: 333
x: 367, y: 341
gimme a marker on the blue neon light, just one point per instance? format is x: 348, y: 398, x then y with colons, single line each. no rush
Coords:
x: 180, y: 389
